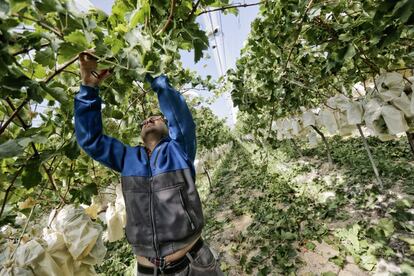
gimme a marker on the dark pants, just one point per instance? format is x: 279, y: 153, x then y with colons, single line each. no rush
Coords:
x: 204, y: 264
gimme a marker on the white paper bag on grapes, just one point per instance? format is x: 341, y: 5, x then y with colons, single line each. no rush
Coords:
x: 56, y: 247
x: 390, y: 85
x: 328, y: 120
x: 33, y: 254
x: 120, y: 204
x: 403, y: 104
x: 308, y: 118
x: 80, y: 233
x: 373, y: 110
x: 313, y: 139
x: 345, y: 129
x: 115, y: 231
x: 394, y: 119
x: 354, y: 113
x: 339, y: 101
x: 296, y: 127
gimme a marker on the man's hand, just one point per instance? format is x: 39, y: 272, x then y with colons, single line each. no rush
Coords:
x: 88, y: 65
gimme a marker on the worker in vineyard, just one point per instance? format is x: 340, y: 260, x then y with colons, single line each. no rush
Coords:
x: 164, y: 214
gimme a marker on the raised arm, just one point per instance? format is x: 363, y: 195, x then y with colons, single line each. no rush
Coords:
x: 88, y: 127
x: 180, y: 122
x: 88, y: 118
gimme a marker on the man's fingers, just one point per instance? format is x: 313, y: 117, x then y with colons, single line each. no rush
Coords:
x: 104, y: 74
x: 86, y: 56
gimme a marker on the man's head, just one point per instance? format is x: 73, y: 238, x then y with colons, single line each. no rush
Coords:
x: 154, y: 128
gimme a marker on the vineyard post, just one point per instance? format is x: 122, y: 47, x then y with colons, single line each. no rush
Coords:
x: 328, y: 149
x: 371, y: 159
x: 296, y: 147
x: 410, y: 137
x: 208, y: 177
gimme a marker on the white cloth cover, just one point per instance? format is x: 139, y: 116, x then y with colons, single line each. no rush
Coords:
x: 72, y: 235
x: 308, y: 118
x: 372, y: 110
x: 345, y: 129
x: 120, y: 204
x: 296, y: 127
x: 16, y: 271
x: 328, y: 120
x: 33, y: 254
x: 115, y: 231
x: 390, y: 85
x: 80, y: 233
x: 313, y: 138
x: 373, y: 119
x: 354, y: 113
x: 403, y: 104
x: 394, y: 119
x: 339, y: 101
x: 56, y: 247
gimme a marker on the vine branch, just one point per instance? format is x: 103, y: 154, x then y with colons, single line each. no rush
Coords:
x: 23, y: 51
x: 15, y: 112
x: 231, y: 7
x: 298, y: 33
x: 44, y: 25
x: 169, y: 20
x: 61, y: 69
x: 6, y: 194
x: 193, y: 10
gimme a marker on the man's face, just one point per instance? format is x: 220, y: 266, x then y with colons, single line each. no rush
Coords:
x: 154, y: 125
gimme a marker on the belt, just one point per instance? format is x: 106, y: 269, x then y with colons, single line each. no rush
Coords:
x: 173, y: 267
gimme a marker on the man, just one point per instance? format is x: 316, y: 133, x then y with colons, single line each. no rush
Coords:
x: 164, y: 215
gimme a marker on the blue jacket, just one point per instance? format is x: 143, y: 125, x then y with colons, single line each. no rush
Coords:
x: 162, y: 204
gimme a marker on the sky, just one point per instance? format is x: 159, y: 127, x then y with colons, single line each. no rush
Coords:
x: 233, y: 31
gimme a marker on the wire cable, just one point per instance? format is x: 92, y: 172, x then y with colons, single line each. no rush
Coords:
x: 215, y: 39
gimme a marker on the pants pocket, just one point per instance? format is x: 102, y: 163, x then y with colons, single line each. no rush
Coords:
x: 205, y: 263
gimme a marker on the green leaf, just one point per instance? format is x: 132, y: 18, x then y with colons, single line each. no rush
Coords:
x: 116, y: 114
x: 350, y: 52
x: 368, y: 261
x: 47, y: 6
x: 35, y: 92
x: 387, y: 226
x: 31, y: 176
x: 200, y: 43
x: 85, y: 194
x: 4, y: 9
x: 72, y: 150
x: 18, y: 5
x: 57, y: 93
x: 338, y: 260
x: 310, y: 246
x: 45, y: 57
x: 403, y: 10
x: 139, y: 14
x: 78, y: 38
x: 68, y: 51
x: 329, y: 273
x: 10, y: 149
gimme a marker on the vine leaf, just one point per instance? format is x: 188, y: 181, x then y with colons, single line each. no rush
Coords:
x: 139, y: 15
x: 78, y: 38
x: 31, y: 176
x: 10, y: 149
x: 57, y: 93
x: 72, y: 150
x: 45, y: 57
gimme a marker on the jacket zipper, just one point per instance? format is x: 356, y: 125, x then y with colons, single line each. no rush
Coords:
x: 154, y: 236
x: 154, y: 233
x: 156, y: 158
x: 185, y: 211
